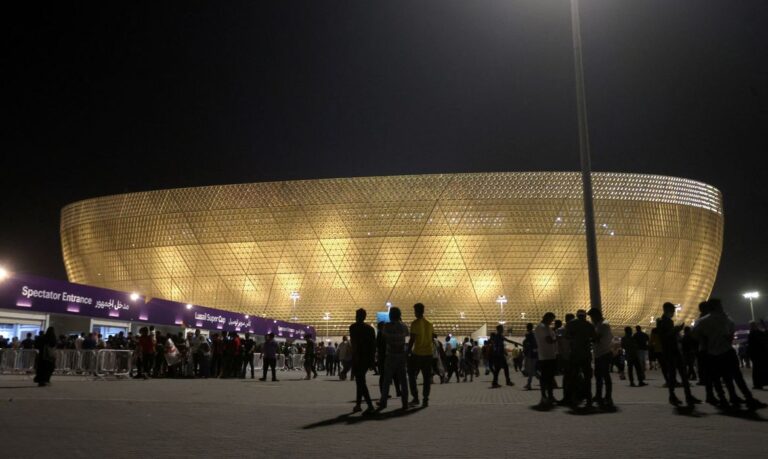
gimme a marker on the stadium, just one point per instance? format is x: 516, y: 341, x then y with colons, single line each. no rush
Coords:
x: 475, y: 248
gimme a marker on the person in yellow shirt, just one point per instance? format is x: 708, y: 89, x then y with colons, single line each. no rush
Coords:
x: 420, y: 350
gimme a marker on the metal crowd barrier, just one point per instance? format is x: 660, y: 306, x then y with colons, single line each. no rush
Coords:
x: 258, y: 362
x: 74, y: 362
x: 18, y: 361
x: 113, y: 362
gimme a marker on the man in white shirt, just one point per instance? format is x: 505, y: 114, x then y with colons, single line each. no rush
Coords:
x: 717, y: 330
x: 546, y: 343
x: 603, y: 356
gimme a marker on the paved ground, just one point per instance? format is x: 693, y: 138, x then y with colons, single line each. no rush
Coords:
x: 246, y: 418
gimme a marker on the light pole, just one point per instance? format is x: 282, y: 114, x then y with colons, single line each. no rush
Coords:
x: 501, y: 299
x: 586, y: 162
x: 752, y: 296
x: 294, y: 296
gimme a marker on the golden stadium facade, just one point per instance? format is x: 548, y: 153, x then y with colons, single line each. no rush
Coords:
x: 455, y: 242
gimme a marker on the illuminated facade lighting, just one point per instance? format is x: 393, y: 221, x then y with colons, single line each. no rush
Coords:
x: 450, y: 241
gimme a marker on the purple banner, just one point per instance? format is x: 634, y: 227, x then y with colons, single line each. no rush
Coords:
x: 41, y: 295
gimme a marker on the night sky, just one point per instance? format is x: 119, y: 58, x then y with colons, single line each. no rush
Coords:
x: 101, y: 99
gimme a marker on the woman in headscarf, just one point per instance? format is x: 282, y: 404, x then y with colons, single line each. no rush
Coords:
x: 46, y: 357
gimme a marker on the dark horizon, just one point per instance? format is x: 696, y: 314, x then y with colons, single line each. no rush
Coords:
x: 108, y: 99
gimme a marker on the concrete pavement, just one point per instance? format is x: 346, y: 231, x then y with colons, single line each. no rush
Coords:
x: 80, y: 417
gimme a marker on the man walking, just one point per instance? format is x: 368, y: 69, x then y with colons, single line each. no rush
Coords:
x: 499, y: 356
x: 420, y: 350
x: 717, y: 330
x: 393, y: 336
x: 363, y: 341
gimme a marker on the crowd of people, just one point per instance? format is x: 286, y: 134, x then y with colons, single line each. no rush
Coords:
x: 578, y: 348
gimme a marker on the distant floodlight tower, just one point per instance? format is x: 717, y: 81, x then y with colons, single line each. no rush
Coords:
x: 294, y: 296
x: 3, y: 273
x: 501, y: 299
x: 327, y: 318
x: 752, y: 296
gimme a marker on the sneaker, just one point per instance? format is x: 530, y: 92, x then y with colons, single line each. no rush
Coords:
x: 369, y: 411
x: 275, y: 380
x: 415, y: 402
x: 495, y: 385
x: 641, y: 384
x: 691, y: 400
x: 673, y: 400
x: 425, y: 403
x: 510, y: 383
x: 262, y: 379
x: 632, y: 384
x: 357, y: 409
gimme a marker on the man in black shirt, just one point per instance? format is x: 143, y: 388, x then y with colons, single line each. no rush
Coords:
x: 249, y: 346
x: 641, y: 338
x: 581, y: 334
x: 668, y: 333
x: 363, y: 341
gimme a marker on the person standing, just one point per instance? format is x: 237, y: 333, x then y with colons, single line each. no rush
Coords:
x: 530, y: 352
x: 757, y: 351
x: 581, y: 334
x: 452, y: 359
x: 603, y: 357
x: 330, y: 360
x: 632, y: 354
x: 309, y: 357
x: 249, y: 349
x: 363, y: 341
x: 563, y: 358
x: 147, y: 349
x: 668, y: 334
x: 46, y: 357
x: 393, y: 336
x: 269, y: 357
x: 345, y: 357
x: 546, y: 344
x: 420, y: 350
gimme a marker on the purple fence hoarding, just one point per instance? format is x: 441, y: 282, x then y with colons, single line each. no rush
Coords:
x: 41, y: 295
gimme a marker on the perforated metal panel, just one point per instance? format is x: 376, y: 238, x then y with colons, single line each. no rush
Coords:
x: 453, y: 242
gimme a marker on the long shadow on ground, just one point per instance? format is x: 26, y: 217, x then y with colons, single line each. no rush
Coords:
x: 743, y: 414
x: 589, y: 411
x: 350, y: 419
